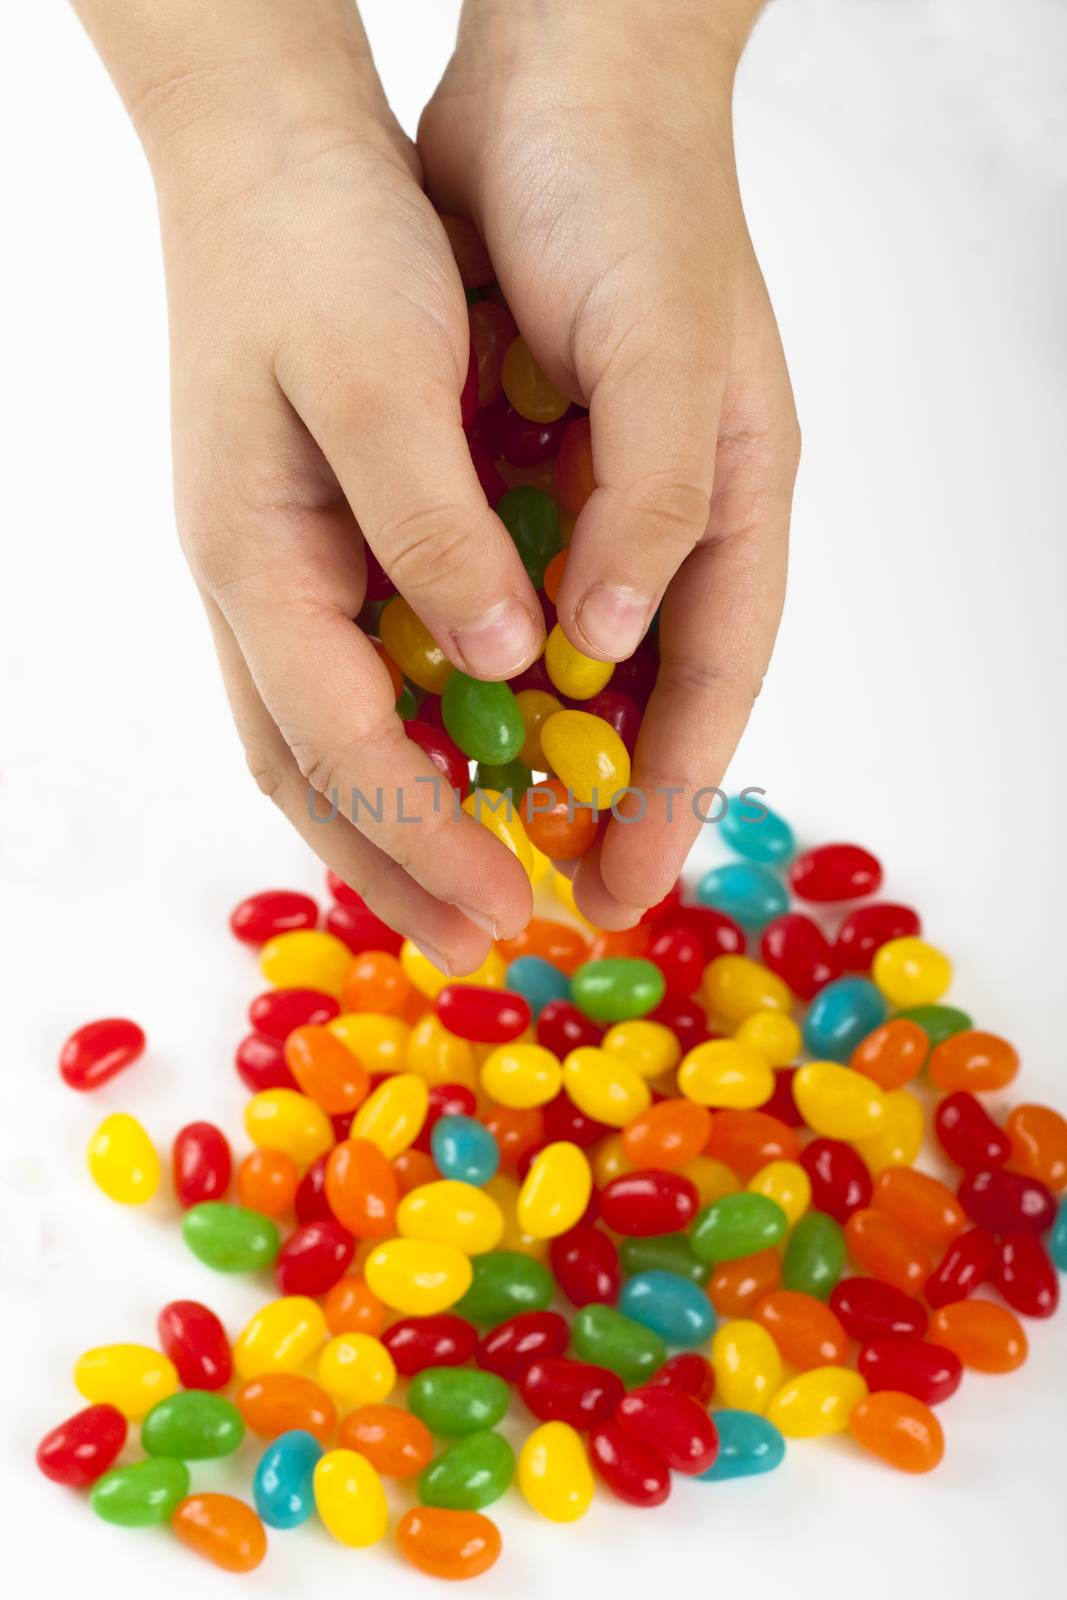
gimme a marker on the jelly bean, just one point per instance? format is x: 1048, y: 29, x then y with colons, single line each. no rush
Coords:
x: 869, y: 1309
x: 735, y: 1288
x: 586, y: 1265
x: 746, y: 891
x: 393, y: 1113
x: 267, y: 1181
x: 555, y: 1191
x: 817, y: 1402
x: 503, y: 1283
x: 574, y: 480
x: 96, y: 1051
x: 283, y: 1488
x: 688, y: 1372
x: 1057, y: 1243
x: 452, y: 1213
x: 260, y: 1064
x: 490, y: 1015
x: 228, y: 1238
x: 1007, y: 1202
x: 445, y: 754
x: 357, y: 1368
x: 967, y: 1133
x: 588, y: 756
x: 361, y: 1189
x: 667, y: 1135
x: 516, y: 1344
x: 672, y: 1424
x: 1039, y: 1144
x: 141, y: 1495
x: 893, y: 1054
x: 483, y: 718
x: 606, y: 1338
x: 797, y: 951
x: 495, y: 811
x: 376, y: 982
x: 617, y: 989
x: 280, y: 1337
x: 738, y: 1225
x: 416, y: 1343
x: 122, y: 1160
x: 646, y: 1203
x: 522, y: 1075
x: 279, y: 1402
x: 748, y: 1446
x: 565, y: 948
x: 222, y: 1529
x: 412, y: 646
x: 806, y: 1332
x: 974, y: 1061
x: 719, y: 935
x: 911, y: 1366
x: 983, y: 1336
x: 510, y: 778
x: 756, y: 832
x: 416, y: 1276
x: 81, y: 1449
x: 838, y: 1102
x: 314, y: 1258
x: 1025, y: 1276
x: 882, y: 1249
x: 193, y: 1338
x: 562, y: 1119
x: 814, y: 1256
x: 865, y: 930
x: 130, y: 1377
x: 492, y: 330
x: 771, y: 1035
x: 377, y: 1040
x: 557, y: 824
x: 746, y: 1141
x: 554, y: 1473
x: 311, y: 1202
x: 263, y: 916
x: 605, y: 1086
x: 835, y: 872
x: 439, y: 1056
x: 350, y: 1307
x: 516, y: 1131
x: 663, y: 1253
x: 574, y: 1392
x: 911, y: 972
x: 532, y: 394
x: 787, y: 1184
x: 937, y: 1022
x: 631, y: 1470
x: 899, y: 1138
x: 396, y: 1444
x: 673, y: 1307
x: 350, y: 1499
x: 453, y: 1400
x: 307, y: 959
x: 577, y: 676
x: 921, y: 1205
x: 470, y: 1474
x: 358, y: 929
x: 447, y: 1544
x: 538, y: 981
x: 968, y: 1262
x: 192, y: 1426
x: 842, y: 1014
x: 679, y: 955
x: 747, y: 1365
x: 735, y: 987
x: 723, y: 1073
x: 899, y: 1429
x: 325, y: 1069
x: 280, y: 1119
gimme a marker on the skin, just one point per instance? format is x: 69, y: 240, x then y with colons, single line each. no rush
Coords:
x: 318, y: 347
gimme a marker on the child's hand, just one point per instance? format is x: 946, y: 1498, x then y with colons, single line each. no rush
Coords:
x: 592, y: 145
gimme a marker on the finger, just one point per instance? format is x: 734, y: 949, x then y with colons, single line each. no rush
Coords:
x: 595, y: 901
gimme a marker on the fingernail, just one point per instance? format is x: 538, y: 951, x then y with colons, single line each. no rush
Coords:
x: 613, y: 619
x: 499, y: 644
x: 440, y: 961
x: 480, y: 920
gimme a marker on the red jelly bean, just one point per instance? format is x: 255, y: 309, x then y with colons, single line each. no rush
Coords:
x: 96, y: 1051
x: 314, y: 1258
x: 636, y: 676
x: 796, y: 949
x: 686, y: 1019
x: 310, y: 1203
x: 526, y: 444
x: 621, y: 712
x: 261, y: 1064
x: 968, y: 1262
x: 520, y: 1341
x: 416, y: 1343
x: 781, y: 1104
x: 279, y: 1011
x: 840, y: 1180
x: 1026, y: 1277
x: 689, y: 1372
x: 630, y: 1469
x: 195, y: 1340
x: 967, y: 1133
x: 339, y: 889
x: 445, y: 1100
x: 865, y: 930
x: 679, y: 955
x: 585, y: 1264
x: 869, y: 1309
x: 1007, y: 1202
x: 564, y: 1121
x: 201, y: 1163
x: 263, y: 916
x: 492, y: 330
x: 360, y: 929
x: 719, y: 934
x: 489, y: 1016
x: 80, y: 1450
x: 930, y: 1372
x: 640, y: 1204
x: 673, y: 1425
x: 468, y: 395
x: 559, y: 1390
x: 835, y: 872
x: 561, y: 1028
x: 443, y: 751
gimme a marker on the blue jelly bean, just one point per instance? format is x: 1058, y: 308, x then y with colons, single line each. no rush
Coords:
x: 767, y: 838
x: 538, y: 981
x: 283, y: 1488
x: 842, y: 1013
x: 746, y: 891
x: 464, y: 1149
x: 672, y: 1306
x: 748, y: 1445
x: 1057, y: 1239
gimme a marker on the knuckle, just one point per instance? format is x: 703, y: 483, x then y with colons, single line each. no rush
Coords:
x: 266, y: 773
x: 317, y: 769
x: 678, y: 507
x: 427, y: 549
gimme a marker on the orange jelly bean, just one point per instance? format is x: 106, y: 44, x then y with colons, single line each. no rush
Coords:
x: 805, y: 1330
x: 516, y: 1130
x: 899, y: 1429
x: 221, y: 1529
x: 361, y: 1188
x: 554, y: 574
x: 625, y: 942
x: 556, y: 824
x: 447, y: 1544
x: 280, y: 1401
x: 351, y: 1306
x: 985, y: 1336
x: 377, y: 982
x: 736, y: 1287
x: 668, y: 1135
x: 412, y: 1169
x: 921, y: 1205
x: 972, y: 1060
x: 397, y: 1444
x: 325, y: 1069
x: 1039, y: 1144
x: 893, y: 1054
x: 880, y: 1248
x: 749, y: 1140
x: 557, y: 942
x: 267, y: 1182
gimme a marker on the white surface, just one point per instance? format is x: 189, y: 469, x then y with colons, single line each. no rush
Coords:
x: 903, y: 167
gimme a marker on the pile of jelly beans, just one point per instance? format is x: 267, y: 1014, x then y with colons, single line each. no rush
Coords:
x: 654, y: 1193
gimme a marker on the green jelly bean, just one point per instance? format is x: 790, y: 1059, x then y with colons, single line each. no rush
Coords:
x: 470, y: 1474
x: 532, y: 518
x: 514, y: 777
x: 605, y: 1337
x: 939, y: 1022
x: 230, y: 1238
x: 483, y: 718
x: 814, y: 1256
x: 503, y: 1284
x: 142, y: 1494
x: 456, y: 1400
x: 737, y: 1225
x: 663, y: 1252
x: 192, y: 1425
x: 618, y: 988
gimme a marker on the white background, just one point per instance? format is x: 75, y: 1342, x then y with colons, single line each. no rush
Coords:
x: 904, y: 170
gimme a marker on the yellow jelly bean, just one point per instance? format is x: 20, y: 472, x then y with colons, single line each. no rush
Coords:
x: 713, y: 1178
x: 281, y: 1336
x: 735, y: 987
x: 357, y: 1369
x: 533, y: 395
x: 748, y: 1368
x: 772, y: 1035
x: 536, y: 705
x: 451, y: 1212
x: 837, y: 1101
x: 726, y: 1074
x: 522, y: 1075
x: 497, y: 813
x: 588, y: 755
x: 123, y: 1160
x: 787, y: 1184
x: 899, y: 1140
x: 380, y: 1042
x: 350, y: 1499
x: 911, y: 972
x: 605, y: 1086
x: 439, y: 1056
x: 554, y: 1472
x: 555, y: 1191
x: 417, y: 1277
x: 282, y: 1119
x: 816, y: 1402
x: 575, y: 675
x: 430, y: 980
x: 393, y: 1114
x: 306, y: 959
x: 541, y: 868
x: 649, y: 1047
x: 413, y: 647
x: 610, y: 1160
x: 132, y: 1377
